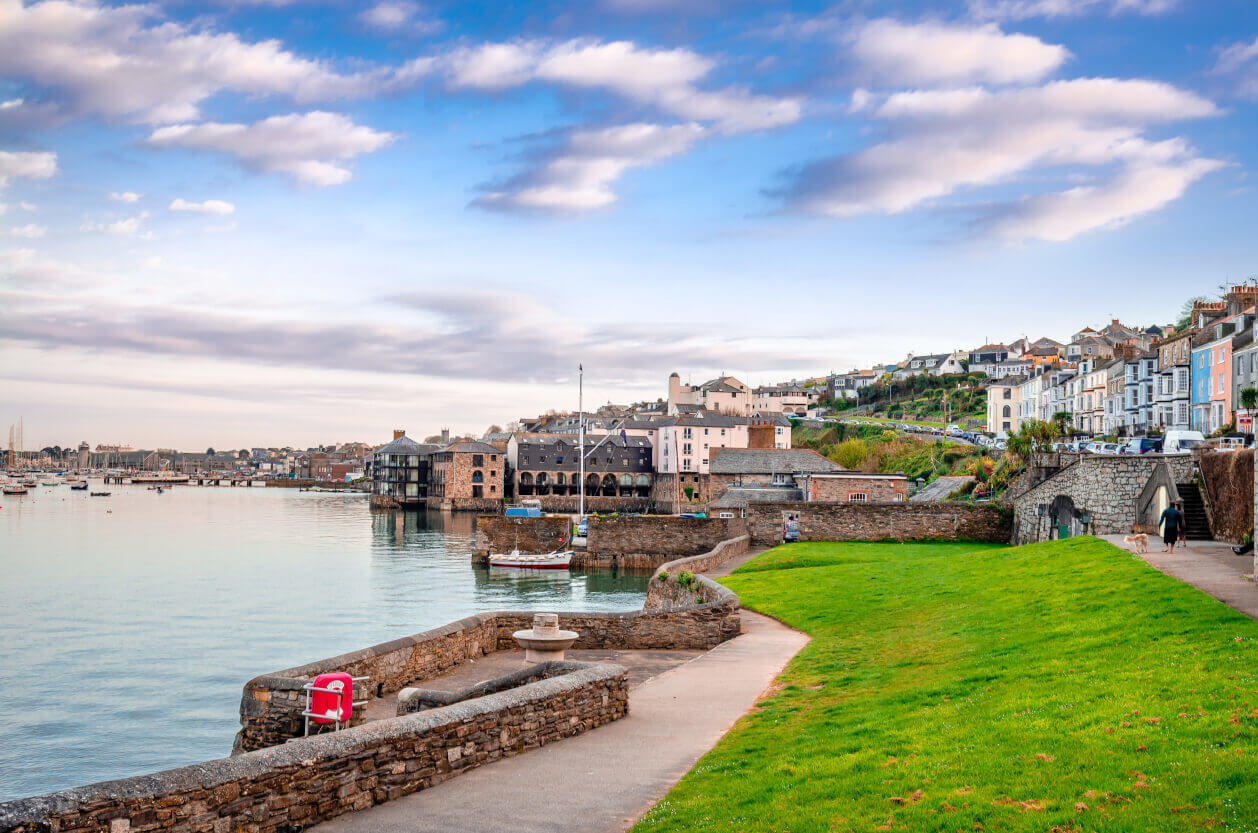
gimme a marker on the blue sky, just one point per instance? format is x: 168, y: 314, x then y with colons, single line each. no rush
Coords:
x: 297, y: 222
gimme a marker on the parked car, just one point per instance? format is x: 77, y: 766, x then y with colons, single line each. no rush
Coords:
x: 1143, y: 445
x: 1109, y: 448
x: 1182, y: 442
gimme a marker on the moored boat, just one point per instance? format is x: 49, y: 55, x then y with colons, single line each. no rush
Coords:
x: 100, y: 494
x: 80, y: 486
x: 557, y: 560
x: 16, y: 490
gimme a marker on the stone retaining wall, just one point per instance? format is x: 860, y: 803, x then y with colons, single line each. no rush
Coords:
x: 1107, y: 486
x: 928, y: 521
x: 497, y: 533
x: 309, y: 780
x: 648, y: 541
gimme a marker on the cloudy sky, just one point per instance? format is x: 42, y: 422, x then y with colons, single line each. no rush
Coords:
x: 282, y: 221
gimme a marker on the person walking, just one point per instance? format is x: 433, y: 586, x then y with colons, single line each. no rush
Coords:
x: 1171, y: 521
x: 1183, y: 527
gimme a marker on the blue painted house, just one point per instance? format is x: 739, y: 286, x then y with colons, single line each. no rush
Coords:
x: 1202, y: 364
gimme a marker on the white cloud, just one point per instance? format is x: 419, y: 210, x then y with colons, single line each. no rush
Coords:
x: 125, y: 196
x: 29, y: 231
x: 26, y: 165
x: 311, y: 147
x: 891, y: 53
x: 1241, y: 60
x: 577, y: 175
x: 206, y: 207
x: 11, y: 104
x: 946, y: 142
x: 661, y: 78
x: 126, y: 226
x: 121, y: 62
x: 400, y: 16
x: 27, y: 206
x: 1137, y: 190
x: 1022, y: 9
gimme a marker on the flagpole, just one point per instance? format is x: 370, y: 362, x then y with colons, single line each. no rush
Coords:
x: 581, y: 433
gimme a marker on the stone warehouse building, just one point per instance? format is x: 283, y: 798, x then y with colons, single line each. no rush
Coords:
x: 467, y: 475
x: 741, y: 476
x: 399, y: 471
x: 547, y: 465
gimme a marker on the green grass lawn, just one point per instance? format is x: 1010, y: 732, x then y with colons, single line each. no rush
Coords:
x: 1064, y: 686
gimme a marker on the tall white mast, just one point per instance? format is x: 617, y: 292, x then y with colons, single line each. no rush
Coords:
x: 581, y: 433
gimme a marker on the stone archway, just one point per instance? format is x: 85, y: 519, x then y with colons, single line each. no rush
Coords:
x: 1063, y: 518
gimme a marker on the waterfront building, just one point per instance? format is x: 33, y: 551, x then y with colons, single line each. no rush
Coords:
x: 542, y: 465
x: 399, y: 471
x: 467, y: 474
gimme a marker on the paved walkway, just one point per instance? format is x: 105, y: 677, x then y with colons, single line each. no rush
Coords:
x: 1209, y: 566
x: 603, y: 780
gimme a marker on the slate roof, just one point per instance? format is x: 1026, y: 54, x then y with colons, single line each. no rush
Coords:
x: 402, y: 445
x: 769, y: 460
x: 472, y: 447
x: 737, y: 497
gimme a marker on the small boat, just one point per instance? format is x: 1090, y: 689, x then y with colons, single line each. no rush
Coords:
x: 49, y: 483
x: 79, y: 487
x: 557, y: 560
x: 16, y: 490
x: 100, y: 494
x: 30, y: 484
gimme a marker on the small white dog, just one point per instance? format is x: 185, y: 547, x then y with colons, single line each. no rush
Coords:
x: 1140, y: 541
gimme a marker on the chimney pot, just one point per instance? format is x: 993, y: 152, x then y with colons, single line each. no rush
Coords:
x: 398, y: 433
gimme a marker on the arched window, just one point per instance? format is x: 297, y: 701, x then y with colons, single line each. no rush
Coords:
x: 1006, y: 411
x: 478, y: 477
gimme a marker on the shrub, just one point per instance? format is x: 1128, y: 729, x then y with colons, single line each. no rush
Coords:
x: 850, y: 454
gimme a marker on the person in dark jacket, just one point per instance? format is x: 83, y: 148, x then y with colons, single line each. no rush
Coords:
x: 1172, y: 521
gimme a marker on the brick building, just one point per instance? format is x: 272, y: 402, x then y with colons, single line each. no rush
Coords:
x: 739, y: 476
x: 467, y: 475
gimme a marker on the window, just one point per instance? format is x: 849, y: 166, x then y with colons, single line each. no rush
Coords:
x: 858, y: 497
x: 1005, y: 413
x: 1220, y: 384
x: 478, y: 460
x: 1008, y: 393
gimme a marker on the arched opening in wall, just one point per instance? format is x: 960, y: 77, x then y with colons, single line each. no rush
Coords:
x: 478, y: 476
x: 526, y: 484
x: 561, y: 484
x: 1063, y: 518
x: 643, y: 485
x: 1005, y: 412
x: 626, y: 485
x: 591, y: 485
x: 609, y: 485
x: 543, y: 483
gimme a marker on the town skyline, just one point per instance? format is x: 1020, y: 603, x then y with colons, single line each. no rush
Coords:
x: 338, y: 220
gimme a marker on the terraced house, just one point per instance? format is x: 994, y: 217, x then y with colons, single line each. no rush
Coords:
x: 1172, y: 396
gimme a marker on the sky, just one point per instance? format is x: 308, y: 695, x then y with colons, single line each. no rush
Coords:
x: 288, y: 222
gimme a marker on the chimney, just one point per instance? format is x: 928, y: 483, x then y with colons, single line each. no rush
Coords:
x: 399, y: 433
x: 445, y: 435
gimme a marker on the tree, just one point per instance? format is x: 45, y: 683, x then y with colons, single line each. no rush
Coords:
x: 1034, y: 436
x: 209, y: 452
x: 1062, y: 420
x: 1249, y: 398
x: 494, y: 429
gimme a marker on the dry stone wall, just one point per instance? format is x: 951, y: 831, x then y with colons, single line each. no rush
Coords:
x: 1107, y: 486
x: 929, y: 521
x: 290, y: 787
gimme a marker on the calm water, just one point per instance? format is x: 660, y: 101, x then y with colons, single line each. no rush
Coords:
x: 131, y: 622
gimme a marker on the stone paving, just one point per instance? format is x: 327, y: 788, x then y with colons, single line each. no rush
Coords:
x: 606, y: 779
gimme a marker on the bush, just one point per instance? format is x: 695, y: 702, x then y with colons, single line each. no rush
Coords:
x: 850, y: 454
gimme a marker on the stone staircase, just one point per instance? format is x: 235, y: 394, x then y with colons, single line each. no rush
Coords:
x: 1197, y: 525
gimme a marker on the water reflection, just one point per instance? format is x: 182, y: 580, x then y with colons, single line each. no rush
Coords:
x: 142, y: 615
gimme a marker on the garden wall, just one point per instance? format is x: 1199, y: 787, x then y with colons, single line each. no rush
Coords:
x: 881, y: 521
x: 497, y: 533
x: 309, y: 780
x: 1228, y: 478
x: 648, y: 541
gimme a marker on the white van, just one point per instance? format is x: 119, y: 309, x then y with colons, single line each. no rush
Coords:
x: 1182, y: 442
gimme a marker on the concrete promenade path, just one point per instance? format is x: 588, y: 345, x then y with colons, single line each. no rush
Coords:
x: 605, y: 779
x: 1209, y: 566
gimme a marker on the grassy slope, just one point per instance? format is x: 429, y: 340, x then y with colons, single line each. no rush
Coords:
x: 1062, y: 686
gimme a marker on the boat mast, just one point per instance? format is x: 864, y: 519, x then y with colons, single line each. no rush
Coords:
x: 581, y: 434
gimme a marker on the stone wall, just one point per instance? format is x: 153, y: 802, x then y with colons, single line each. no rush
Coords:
x: 881, y: 521
x: 594, y: 504
x: 666, y: 592
x: 270, y: 708
x: 650, y: 540
x: 1107, y: 486
x: 840, y: 489
x: 309, y: 780
x: 497, y: 533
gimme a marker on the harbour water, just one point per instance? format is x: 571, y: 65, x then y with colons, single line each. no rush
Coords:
x: 131, y: 622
